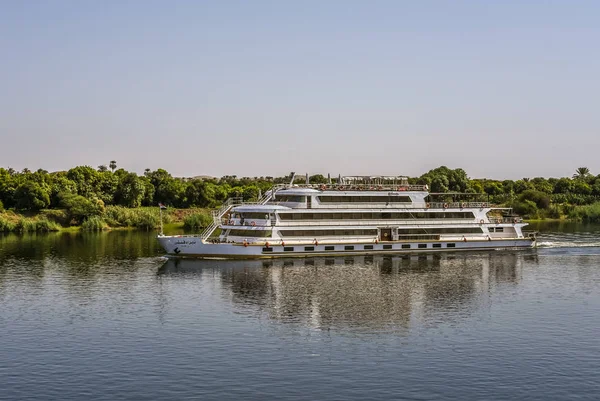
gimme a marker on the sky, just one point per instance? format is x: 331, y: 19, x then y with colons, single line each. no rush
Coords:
x: 504, y: 89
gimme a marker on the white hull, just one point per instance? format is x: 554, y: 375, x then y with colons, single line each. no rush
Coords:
x: 182, y: 246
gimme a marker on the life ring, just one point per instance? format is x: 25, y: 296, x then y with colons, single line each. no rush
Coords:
x: 427, y: 205
x: 231, y: 222
x: 463, y: 205
x: 445, y: 206
x: 481, y: 221
x: 376, y: 241
x: 515, y: 220
x: 245, y: 244
x: 253, y: 224
x: 322, y: 187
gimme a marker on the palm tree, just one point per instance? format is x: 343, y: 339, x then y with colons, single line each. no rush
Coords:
x: 102, y: 168
x: 581, y: 173
x: 146, y: 172
x: 113, y: 165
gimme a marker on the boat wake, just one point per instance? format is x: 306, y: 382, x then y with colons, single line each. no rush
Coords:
x: 567, y: 244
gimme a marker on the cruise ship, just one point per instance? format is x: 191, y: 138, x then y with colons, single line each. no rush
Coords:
x: 353, y: 216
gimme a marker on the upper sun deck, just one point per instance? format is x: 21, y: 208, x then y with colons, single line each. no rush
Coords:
x: 354, y: 183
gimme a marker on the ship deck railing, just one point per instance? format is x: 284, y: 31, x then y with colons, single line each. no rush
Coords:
x: 357, y: 187
x: 387, y: 222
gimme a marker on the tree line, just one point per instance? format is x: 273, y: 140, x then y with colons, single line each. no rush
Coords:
x: 103, y: 186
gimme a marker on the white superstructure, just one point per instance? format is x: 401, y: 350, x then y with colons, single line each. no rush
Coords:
x: 358, y: 215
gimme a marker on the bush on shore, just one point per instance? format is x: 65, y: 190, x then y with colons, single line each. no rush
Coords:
x: 15, y: 223
x: 587, y: 214
x: 196, y: 221
x: 94, y: 223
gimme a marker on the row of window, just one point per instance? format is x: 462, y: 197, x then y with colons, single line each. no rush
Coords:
x: 365, y: 199
x: 251, y: 233
x: 250, y: 215
x: 445, y: 230
x: 347, y: 199
x: 327, y: 233
x: 375, y: 215
x: 365, y: 247
x: 409, y: 233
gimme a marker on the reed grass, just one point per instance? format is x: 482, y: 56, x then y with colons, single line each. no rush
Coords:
x: 587, y: 214
x: 94, y: 223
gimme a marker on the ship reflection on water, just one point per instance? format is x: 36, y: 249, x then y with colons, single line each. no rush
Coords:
x: 361, y: 292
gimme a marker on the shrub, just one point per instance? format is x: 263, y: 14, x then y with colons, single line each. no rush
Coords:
x: 1, y: 207
x: 6, y: 225
x: 94, y: 223
x: 541, y: 200
x: 80, y: 208
x: 59, y: 216
x: 25, y: 225
x: 525, y: 208
x: 146, y: 220
x: 118, y: 216
x: 196, y: 221
x: 45, y: 225
x: 31, y: 196
x: 588, y: 214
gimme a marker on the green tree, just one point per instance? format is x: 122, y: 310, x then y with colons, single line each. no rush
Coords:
x: 31, y: 196
x: 130, y: 190
x: 563, y: 186
x: 80, y: 208
x: 581, y: 173
x: 86, y: 179
x: 113, y: 165
x: 102, y: 168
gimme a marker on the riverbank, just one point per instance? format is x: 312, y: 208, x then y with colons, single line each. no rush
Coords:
x: 191, y: 219
x: 111, y: 218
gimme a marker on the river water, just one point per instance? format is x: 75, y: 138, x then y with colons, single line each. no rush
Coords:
x: 106, y: 317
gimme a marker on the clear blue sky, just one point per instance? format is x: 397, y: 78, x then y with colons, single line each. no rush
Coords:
x: 504, y: 89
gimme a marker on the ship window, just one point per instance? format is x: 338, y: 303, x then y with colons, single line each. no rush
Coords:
x: 491, y: 229
x: 367, y: 247
x: 405, y: 246
x: 422, y: 246
x: 447, y: 230
x: 365, y: 199
x: 267, y: 249
x: 499, y: 229
x: 341, y: 215
x: 327, y: 233
x: 437, y: 245
x: 349, y: 247
x: 387, y: 246
x: 290, y: 198
x: 250, y: 233
x: 309, y: 248
x: 329, y: 247
x: 255, y: 215
x: 288, y: 248
x: 450, y: 245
